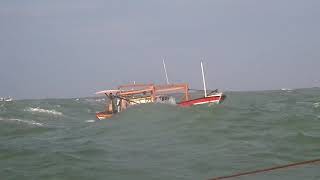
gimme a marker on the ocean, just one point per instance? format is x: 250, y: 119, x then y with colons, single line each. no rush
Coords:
x: 60, y: 139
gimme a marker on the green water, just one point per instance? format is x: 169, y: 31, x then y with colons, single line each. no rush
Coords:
x: 59, y: 138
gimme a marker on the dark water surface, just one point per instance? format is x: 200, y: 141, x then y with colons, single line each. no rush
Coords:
x: 60, y: 139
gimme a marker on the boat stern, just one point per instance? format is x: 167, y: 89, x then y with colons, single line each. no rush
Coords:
x: 103, y: 115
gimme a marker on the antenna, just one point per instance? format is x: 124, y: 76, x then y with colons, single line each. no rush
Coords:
x: 165, y: 70
x: 204, y: 81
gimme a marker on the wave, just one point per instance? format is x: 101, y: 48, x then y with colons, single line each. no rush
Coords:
x: 23, y: 121
x: 90, y: 121
x: 39, y: 110
x: 94, y: 100
x: 316, y: 105
x: 100, y: 100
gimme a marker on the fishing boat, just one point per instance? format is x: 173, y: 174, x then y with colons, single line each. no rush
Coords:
x: 126, y: 96
x: 135, y: 94
x: 214, y: 97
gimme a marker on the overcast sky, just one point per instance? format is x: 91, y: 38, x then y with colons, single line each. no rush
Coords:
x: 74, y: 48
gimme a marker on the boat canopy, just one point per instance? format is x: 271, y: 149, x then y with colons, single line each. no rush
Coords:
x: 139, y: 91
x: 113, y: 91
x: 171, y: 88
x: 135, y: 86
x: 149, y: 89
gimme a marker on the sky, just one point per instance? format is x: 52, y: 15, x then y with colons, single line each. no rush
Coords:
x: 61, y: 49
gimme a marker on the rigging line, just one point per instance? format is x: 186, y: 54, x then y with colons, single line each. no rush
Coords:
x: 196, y: 89
x: 203, y: 90
x: 267, y: 169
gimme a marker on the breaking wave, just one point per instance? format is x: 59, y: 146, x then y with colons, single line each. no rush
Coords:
x: 90, y: 121
x: 39, y: 110
x: 31, y: 122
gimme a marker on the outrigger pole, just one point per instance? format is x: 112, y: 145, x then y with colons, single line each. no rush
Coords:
x: 165, y: 70
x: 204, y: 81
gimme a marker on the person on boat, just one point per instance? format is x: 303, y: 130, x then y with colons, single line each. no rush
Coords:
x: 124, y: 104
x: 118, y: 103
x: 112, y: 106
x: 109, y: 108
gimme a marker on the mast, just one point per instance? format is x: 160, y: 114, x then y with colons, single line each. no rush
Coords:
x: 204, y: 81
x: 165, y: 70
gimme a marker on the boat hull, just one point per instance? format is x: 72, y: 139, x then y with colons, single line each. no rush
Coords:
x: 103, y: 115
x: 213, y: 99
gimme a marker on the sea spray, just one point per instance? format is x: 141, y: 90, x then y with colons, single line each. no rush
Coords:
x: 39, y: 110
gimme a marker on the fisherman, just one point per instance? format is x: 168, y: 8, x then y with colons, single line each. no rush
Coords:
x: 109, y: 108
x: 112, y: 106
x: 124, y: 104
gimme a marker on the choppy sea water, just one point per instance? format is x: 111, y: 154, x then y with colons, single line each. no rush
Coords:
x: 60, y: 138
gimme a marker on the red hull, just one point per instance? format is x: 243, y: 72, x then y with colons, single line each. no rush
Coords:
x: 205, y: 100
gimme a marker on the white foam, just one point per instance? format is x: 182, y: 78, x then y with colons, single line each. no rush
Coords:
x: 100, y: 100
x: 23, y: 121
x: 316, y: 105
x: 90, y: 121
x: 39, y: 110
